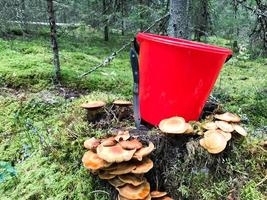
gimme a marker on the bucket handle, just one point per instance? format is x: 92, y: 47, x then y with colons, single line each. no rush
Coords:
x: 134, y: 52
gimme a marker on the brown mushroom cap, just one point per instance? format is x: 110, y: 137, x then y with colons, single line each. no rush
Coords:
x: 116, y: 182
x: 228, y: 117
x: 122, y: 135
x: 114, y: 153
x: 189, y: 129
x: 107, y: 142
x: 141, y: 153
x: 165, y: 198
x: 131, y: 144
x: 213, y: 141
x: 143, y: 166
x: 227, y: 135
x: 93, y: 105
x: 91, y: 143
x: 122, y: 103
x: 209, y: 126
x: 93, y: 162
x: 122, y: 168
x: 202, y: 143
x: 174, y: 125
x: 123, y: 198
x: 239, y: 129
x: 131, y: 179
x: 106, y: 175
x: 225, y: 126
x: 157, y: 194
x: 135, y: 192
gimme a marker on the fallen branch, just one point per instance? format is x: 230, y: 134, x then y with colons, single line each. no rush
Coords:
x: 262, y: 181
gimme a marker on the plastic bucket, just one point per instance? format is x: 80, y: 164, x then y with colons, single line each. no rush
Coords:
x: 176, y: 76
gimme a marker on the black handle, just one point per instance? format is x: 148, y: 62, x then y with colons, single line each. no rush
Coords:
x: 134, y: 63
x: 135, y: 68
x: 228, y: 58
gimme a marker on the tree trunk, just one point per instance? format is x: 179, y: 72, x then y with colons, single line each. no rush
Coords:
x: 141, y: 16
x: 53, y: 34
x: 106, y: 35
x: 24, y: 17
x: 178, y: 25
x: 122, y: 19
x: 201, y: 19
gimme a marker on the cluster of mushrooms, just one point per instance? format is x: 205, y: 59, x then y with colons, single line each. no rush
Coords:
x: 94, y: 108
x: 122, y: 160
x: 217, y: 130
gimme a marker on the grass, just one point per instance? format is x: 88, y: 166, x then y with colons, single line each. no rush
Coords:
x: 42, y: 131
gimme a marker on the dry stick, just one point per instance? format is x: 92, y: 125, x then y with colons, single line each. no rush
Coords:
x: 262, y: 181
x: 108, y: 59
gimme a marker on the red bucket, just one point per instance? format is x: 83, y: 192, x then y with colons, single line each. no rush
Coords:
x: 176, y: 76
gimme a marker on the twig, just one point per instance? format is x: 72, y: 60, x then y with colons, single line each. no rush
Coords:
x: 262, y: 181
x: 108, y: 59
x: 99, y: 191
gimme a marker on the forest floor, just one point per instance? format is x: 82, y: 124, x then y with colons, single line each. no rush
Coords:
x: 42, y: 128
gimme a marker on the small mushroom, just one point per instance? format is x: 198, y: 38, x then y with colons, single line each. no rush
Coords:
x: 122, y: 103
x: 93, y: 162
x: 141, y: 153
x: 165, y: 198
x: 209, y: 126
x: 131, y: 144
x: 225, y: 126
x: 132, y: 179
x: 123, y: 198
x: 91, y: 143
x: 122, y: 168
x: 174, y: 125
x: 116, y: 182
x: 189, y: 129
x: 122, y: 135
x: 157, y: 194
x: 135, y: 192
x: 239, y: 129
x: 228, y: 117
x: 114, y: 153
x: 93, y: 108
x: 143, y: 166
x: 107, y: 142
x: 213, y: 141
x: 122, y: 109
x: 227, y: 135
x: 105, y: 175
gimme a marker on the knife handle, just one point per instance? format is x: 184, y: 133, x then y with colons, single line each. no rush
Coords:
x: 135, y: 67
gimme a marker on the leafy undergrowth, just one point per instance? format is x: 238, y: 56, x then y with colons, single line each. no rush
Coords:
x: 42, y: 129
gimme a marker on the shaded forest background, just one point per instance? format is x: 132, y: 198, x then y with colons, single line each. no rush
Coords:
x: 241, y: 21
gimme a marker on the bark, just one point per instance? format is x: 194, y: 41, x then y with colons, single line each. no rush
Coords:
x: 54, y: 45
x: 201, y: 19
x: 106, y: 34
x: 141, y: 16
x: 178, y: 25
x: 122, y: 20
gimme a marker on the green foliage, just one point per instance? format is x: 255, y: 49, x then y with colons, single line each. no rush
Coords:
x: 250, y: 192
